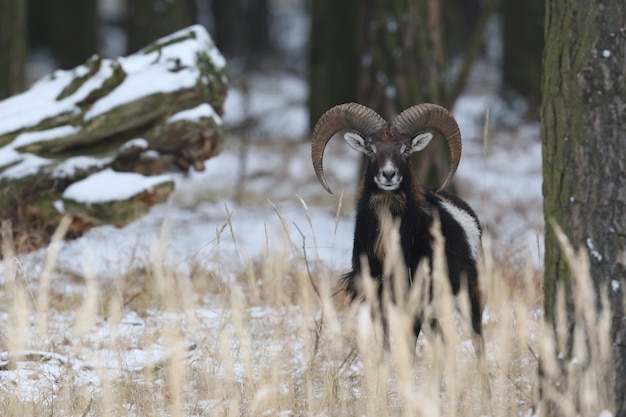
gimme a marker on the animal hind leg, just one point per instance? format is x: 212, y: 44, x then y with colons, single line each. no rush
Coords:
x: 477, y: 338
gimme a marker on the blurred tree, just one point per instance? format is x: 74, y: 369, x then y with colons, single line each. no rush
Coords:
x: 402, y: 55
x: 242, y: 27
x: 12, y: 47
x: 389, y: 55
x: 38, y: 23
x: 73, y: 31
x: 584, y: 137
x: 460, y: 17
x: 148, y: 20
x: 335, y: 59
x: 405, y: 53
x: 523, y: 48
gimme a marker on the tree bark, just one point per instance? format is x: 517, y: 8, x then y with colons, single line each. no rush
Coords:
x: 12, y: 47
x: 584, y: 137
x: 150, y: 113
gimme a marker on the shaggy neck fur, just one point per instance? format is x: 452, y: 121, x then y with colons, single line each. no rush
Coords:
x: 388, y: 208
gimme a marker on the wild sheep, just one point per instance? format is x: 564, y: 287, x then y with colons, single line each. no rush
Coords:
x: 391, y: 190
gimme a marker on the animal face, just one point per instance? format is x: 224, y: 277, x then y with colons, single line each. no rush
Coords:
x: 387, y: 160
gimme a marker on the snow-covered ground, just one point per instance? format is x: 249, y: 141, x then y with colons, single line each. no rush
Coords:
x: 259, y: 196
x: 260, y: 193
x: 501, y: 179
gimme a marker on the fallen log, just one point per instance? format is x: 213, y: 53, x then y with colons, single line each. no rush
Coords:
x: 97, y: 141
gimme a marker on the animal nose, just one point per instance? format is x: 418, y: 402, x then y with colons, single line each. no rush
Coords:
x: 388, y: 174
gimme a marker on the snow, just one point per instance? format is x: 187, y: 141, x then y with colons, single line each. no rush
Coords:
x: 200, y: 37
x: 59, y: 206
x: 18, y: 164
x: 596, y: 255
x: 501, y: 179
x: 615, y: 285
x: 35, y: 105
x: 276, y: 101
x: 220, y: 236
x: 140, y: 143
x: 160, y: 78
x: 285, y: 210
x: 503, y: 185
x: 40, y: 101
x: 108, y: 185
x: 146, y: 74
x: 199, y: 112
x: 79, y: 163
x: 28, y: 138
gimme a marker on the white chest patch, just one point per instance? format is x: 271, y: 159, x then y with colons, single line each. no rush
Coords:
x: 469, y: 225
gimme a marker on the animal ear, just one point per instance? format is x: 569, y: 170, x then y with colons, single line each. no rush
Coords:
x: 420, y: 141
x: 355, y: 141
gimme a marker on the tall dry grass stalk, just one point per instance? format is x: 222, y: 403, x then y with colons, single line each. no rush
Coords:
x: 576, y: 348
x: 278, y: 339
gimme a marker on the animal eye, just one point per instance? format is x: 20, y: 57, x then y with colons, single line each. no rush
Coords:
x: 405, y: 150
x: 370, y: 149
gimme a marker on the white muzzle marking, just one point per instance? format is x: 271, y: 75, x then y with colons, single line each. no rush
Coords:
x: 388, y: 178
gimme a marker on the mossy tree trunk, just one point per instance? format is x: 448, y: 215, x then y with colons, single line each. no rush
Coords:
x: 584, y: 159
x: 102, y: 127
x: 12, y: 47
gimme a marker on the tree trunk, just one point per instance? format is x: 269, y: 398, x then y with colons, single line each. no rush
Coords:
x: 38, y: 24
x: 388, y: 55
x: 242, y: 28
x: 12, y: 47
x: 523, y: 46
x: 334, y: 55
x: 584, y: 138
x: 100, y: 126
x: 150, y: 19
x: 460, y: 17
x: 73, y: 35
x: 404, y: 63
x: 402, y: 55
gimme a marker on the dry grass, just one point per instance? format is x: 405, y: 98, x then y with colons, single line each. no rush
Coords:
x: 277, y: 339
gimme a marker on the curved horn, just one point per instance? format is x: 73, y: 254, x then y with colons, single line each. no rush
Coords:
x: 349, y: 116
x: 429, y: 116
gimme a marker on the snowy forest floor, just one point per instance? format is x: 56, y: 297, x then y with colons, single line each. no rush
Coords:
x: 224, y: 301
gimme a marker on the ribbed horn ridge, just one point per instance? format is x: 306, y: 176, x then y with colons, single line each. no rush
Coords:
x: 429, y: 116
x: 349, y: 116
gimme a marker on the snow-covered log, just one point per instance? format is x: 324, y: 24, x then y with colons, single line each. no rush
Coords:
x: 98, y: 141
